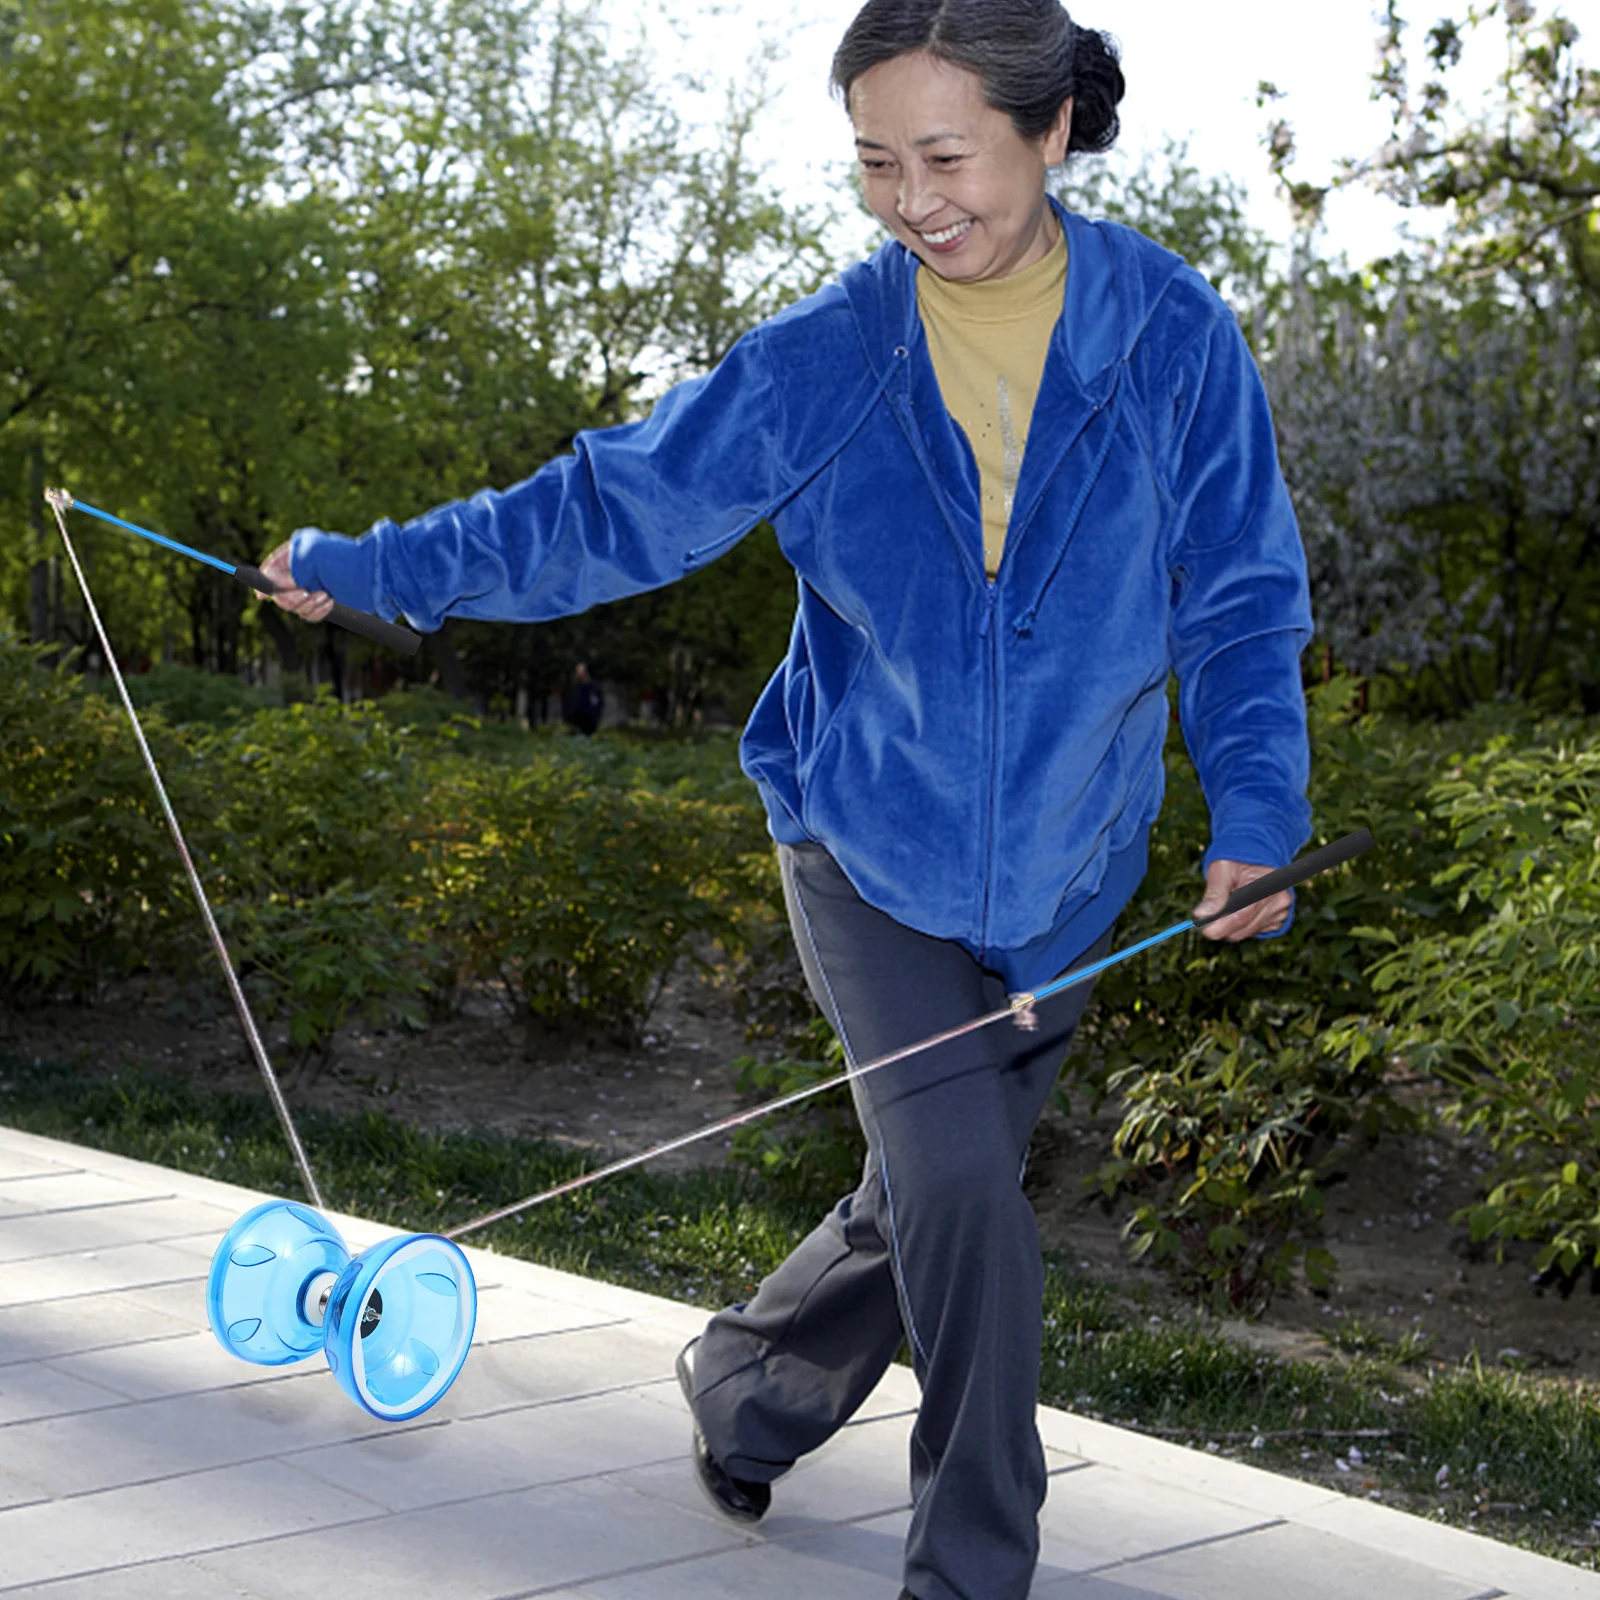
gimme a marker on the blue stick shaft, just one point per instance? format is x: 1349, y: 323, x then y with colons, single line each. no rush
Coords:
x: 1080, y: 973
x: 158, y: 538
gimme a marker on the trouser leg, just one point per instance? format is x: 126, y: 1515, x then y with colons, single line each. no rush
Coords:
x: 938, y: 1243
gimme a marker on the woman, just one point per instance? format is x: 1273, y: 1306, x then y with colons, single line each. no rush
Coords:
x: 1024, y: 469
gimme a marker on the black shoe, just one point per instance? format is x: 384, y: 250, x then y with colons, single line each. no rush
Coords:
x: 733, y: 1497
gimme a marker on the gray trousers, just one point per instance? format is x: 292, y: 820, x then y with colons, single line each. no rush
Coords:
x: 938, y: 1246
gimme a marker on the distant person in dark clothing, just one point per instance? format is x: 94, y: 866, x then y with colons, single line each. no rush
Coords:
x: 584, y: 701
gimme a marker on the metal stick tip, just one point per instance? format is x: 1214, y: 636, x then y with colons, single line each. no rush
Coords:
x: 59, y: 498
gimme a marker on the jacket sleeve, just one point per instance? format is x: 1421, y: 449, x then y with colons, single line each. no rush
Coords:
x: 1241, y: 609
x: 632, y: 508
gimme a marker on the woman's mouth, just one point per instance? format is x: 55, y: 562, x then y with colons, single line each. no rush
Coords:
x: 947, y: 238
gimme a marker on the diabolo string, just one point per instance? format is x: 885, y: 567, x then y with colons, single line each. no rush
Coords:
x: 58, y: 500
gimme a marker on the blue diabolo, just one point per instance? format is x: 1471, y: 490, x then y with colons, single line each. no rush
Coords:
x: 394, y: 1322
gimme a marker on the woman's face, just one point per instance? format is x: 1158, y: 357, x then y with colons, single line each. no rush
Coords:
x: 947, y: 174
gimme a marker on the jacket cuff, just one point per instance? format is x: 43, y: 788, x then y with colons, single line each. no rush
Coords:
x: 345, y: 568
x: 1257, y: 847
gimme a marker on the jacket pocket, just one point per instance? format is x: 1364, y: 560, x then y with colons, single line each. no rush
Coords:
x: 823, y: 721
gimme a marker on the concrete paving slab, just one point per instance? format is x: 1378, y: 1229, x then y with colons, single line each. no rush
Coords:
x: 171, y: 1516
x: 508, y: 1313
x: 141, y: 1220
x: 64, y: 1189
x: 1384, y: 1528
x: 1310, y: 1565
x: 137, y: 1442
x: 508, y: 1450
x: 20, y: 1161
x: 560, y: 1536
x: 75, y: 1324
x: 852, y: 1561
x: 535, y: 1368
x: 30, y: 1390
x: 1100, y: 1516
x: 139, y: 1459
x: 862, y: 1472
x: 182, y: 1363
x: 156, y: 1580
x: 15, y: 1491
x: 127, y: 1266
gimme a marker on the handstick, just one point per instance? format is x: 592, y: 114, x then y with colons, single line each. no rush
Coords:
x: 1262, y: 888
x: 362, y: 622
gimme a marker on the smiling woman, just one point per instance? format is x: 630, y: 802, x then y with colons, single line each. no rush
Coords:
x: 959, y: 110
x: 1023, y: 467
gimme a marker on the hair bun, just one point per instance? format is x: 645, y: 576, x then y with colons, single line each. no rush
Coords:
x: 1100, y: 86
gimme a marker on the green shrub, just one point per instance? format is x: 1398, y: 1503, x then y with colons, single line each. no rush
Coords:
x: 310, y: 817
x: 1239, y: 1065
x: 1504, y: 1005
x: 581, y: 898
x: 90, y: 880
x: 344, y: 954
x: 186, y: 695
x: 300, y: 799
x: 1240, y: 1128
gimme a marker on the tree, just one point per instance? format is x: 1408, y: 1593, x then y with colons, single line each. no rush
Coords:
x: 1199, y: 216
x: 1444, y: 460
x: 1438, y: 413
x: 1520, y: 178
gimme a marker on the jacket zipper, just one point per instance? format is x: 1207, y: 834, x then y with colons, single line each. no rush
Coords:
x: 990, y: 632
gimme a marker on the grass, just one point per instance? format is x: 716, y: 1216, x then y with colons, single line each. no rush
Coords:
x: 1501, y: 1452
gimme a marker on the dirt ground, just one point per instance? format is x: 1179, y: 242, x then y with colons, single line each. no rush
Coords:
x: 1401, y: 1263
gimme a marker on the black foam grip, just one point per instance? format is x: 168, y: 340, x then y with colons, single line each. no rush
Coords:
x: 1271, y: 883
x: 362, y: 622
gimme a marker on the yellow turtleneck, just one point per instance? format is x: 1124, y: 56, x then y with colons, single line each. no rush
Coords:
x: 988, y: 342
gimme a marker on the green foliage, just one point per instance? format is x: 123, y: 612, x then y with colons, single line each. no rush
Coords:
x: 88, y: 873
x: 187, y: 695
x: 304, y: 798
x: 1504, y: 1006
x: 580, y: 897
x: 1234, y: 1124
x: 1240, y: 1067
x: 360, y: 862
x: 268, y: 266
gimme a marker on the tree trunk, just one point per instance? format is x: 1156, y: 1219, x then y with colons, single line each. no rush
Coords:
x: 282, y: 636
x: 39, y: 575
x: 333, y: 648
x: 447, y: 663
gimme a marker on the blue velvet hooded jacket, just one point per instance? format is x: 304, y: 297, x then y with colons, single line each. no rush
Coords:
x: 983, y: 758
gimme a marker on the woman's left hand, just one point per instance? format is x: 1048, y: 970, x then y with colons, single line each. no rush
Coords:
x: 1267, y: 916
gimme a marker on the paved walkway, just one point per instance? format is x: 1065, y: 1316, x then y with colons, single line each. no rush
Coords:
x: 138, y: 1461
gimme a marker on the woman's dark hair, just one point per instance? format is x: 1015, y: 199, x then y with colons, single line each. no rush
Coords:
x: 1029, y: 55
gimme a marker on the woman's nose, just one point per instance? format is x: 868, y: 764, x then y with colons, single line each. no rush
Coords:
x: 915, y: 201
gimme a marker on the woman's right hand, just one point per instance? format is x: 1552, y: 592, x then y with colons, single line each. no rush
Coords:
x: 312, y: 604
